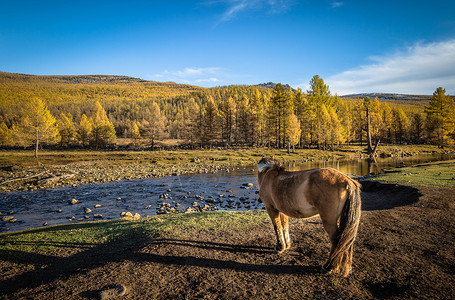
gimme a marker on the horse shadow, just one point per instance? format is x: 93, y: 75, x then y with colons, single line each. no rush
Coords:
x: 380, y: 196
x: 129, y: 246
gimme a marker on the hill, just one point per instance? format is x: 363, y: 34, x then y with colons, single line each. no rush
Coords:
x: 272, y: 85
x: 389, y: 96
x: 58, y: 90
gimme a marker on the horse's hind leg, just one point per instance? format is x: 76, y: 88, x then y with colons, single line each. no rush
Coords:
x: 275, y: 217
x: 285, y: 224
x: 332, y: 230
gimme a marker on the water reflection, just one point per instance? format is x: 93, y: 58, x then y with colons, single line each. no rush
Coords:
x: 363, y: 167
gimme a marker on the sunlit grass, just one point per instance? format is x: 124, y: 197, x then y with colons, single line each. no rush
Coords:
x: 429, y: 174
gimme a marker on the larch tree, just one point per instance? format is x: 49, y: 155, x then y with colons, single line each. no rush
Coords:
x: 37, y: 125
x: 103, y: 131
x: 211, y: 122
x: 293, y: 132
x: 228, y: 112
x: 154, y: 125
x: 135, y: 133
x: 85, y: 130
x: 67, y: 129
x: 5, y: 135
x: 441, y: 118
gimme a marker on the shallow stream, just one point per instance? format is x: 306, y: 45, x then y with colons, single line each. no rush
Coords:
x: 219, y: 191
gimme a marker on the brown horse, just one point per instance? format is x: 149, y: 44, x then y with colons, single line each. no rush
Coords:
x: 302, y: 194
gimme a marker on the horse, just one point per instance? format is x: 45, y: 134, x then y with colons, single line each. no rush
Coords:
x: 303, y: 194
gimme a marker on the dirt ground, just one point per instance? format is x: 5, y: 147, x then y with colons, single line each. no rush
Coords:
x: 405, y: 249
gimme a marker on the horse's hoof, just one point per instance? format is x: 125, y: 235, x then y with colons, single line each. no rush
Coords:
x: 278, y: 251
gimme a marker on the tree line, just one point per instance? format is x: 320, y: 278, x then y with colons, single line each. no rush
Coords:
x: 227, y: 116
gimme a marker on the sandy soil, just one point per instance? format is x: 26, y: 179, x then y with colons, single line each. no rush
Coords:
x: 405, y: 249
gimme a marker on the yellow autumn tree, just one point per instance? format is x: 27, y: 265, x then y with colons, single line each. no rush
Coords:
x: 103, y: 131
x: 293, y: 131
x: 85, y: 129
x: 37, y: 125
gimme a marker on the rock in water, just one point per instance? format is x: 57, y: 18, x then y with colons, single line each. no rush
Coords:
x: 87, y: 210
x: 113, y: 293
x: 73, y: 201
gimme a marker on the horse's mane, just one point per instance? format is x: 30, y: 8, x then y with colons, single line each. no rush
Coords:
x: 278, y: 166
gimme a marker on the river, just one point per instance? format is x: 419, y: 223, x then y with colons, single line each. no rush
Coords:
x: 219, y: 191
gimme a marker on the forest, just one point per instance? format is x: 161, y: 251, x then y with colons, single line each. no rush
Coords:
x: 94, y: 111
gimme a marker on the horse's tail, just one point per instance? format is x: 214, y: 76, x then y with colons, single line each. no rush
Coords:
x: 340, y: 259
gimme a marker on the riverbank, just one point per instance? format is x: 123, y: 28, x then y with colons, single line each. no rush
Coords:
x: 19, y: 170
x: 404, y: 250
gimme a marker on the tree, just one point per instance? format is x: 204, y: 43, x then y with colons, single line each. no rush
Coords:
x: 154, y: 125
x: 211, y: 121
x: 5, y: 135
x: 400, y: 125
x: 319, y: 91
x: 228, y: 113
x: 440, y: 118
x: 85, y: 130
x: 293, y: 132
x: 136, y: 135
x: 417, y: 127
x: 281, y: 107
x: 37, y: 126
x: 103, y: 131
x: 66, y: 129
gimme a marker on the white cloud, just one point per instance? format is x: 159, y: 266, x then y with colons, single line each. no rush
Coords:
x: 336, y: 4
x: 235, y: 7
x: 191, y: 75
x: 419, y: 69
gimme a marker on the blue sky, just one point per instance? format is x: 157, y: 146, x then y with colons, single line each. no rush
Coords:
x: 396, y: 46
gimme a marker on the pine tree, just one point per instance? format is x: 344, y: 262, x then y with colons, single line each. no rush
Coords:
x: 37, y: 125
x: 103, y: 131
x: 441, y: 118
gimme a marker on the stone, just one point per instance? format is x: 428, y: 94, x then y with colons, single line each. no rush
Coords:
x: 98, y: 216
x: 13, y: 220
x: 7, y: 218
x: 11, y: 212
x: 113, y: 293
x: 87, y: 210
x: 73, y: 201
x: 137, y: 216
x: 97, y: 205
x: 45, y: 224
x: 59, y: 211
x: 194, y: 204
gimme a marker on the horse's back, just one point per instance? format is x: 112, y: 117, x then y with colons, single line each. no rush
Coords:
x: 301, y: 194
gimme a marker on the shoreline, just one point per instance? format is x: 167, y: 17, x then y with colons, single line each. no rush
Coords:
x: 21, y: 172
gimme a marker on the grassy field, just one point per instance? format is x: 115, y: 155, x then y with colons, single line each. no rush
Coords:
x: 436, y: 174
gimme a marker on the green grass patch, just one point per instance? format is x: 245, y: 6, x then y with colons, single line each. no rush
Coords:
x: 62, y: 240
x: 428, y: 174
